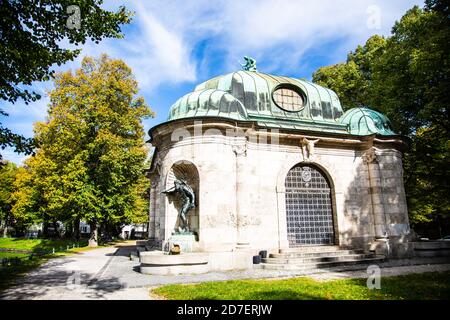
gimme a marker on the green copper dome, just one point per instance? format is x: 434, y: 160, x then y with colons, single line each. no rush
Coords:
x: 271, y: 101
x: 364, y: 121
x: 277, y: 102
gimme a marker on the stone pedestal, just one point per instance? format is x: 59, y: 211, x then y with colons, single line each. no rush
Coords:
x: 158, y: 263
x: 186, y: 241
x: 381, y: 246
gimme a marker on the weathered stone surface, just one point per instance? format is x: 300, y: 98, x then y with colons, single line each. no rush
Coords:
x: 241, y: 192
x: 158, y: 258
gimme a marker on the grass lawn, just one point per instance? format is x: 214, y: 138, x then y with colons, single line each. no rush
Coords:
x: 432, y: 285
x: 36, y: 245
x: 12, y: 255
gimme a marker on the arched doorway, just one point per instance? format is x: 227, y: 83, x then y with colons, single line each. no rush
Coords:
x: 309, y: 209
x: 187, y: 171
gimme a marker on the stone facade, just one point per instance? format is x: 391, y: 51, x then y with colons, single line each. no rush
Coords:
x: 238, y: 172
x: 275, y: 163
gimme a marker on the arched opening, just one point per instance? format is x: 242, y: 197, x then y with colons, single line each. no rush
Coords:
x: 187, y: 171
x: 309, y: 207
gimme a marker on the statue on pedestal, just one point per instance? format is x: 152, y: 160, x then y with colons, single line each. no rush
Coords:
x: 250, y: 64
x: 187, y: 196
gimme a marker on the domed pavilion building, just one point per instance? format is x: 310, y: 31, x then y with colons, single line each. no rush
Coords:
x: 276, y: 165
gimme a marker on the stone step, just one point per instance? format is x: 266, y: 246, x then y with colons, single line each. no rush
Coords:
x: 311, y: 248
x: 330, y: 258
x: 287, y: 255
x: 321, y: 265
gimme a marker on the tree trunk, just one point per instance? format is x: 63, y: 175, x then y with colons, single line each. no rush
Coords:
x: 55, y: 228
x: 76, y: 229
x: 45, y: 229
x: 5, y: 230
x: 93, y: 239
x: 5, y: 227
x: 68, y: 230
x: 100, y: 231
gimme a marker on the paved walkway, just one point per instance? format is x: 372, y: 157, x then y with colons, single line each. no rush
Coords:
x: 108, y: 273
x: 96, y: 274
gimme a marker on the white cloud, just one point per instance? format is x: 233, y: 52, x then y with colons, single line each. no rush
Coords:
x: 156, y: 52
x: 159, y: 45
x: 278, y: 32
x: 162, y: 50
x: 283, y: 31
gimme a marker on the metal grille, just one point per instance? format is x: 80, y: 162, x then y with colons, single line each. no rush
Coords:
x: 309, y: 211
x: 288, y: 99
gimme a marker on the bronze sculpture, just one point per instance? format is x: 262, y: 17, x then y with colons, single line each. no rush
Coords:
x: 250, y: 64
x: 187, y: 196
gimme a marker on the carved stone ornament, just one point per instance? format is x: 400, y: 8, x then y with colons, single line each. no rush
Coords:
x: 306, y: 174
x: 369, y: 156
x: 159, y: 160
x: 240, y: 150
x: 308, y: 146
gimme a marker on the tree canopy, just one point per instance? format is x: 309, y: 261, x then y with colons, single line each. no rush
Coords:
x: 8, y: 173
x: 32, y: 38
x: 91, y: 153
x: 406, y: 76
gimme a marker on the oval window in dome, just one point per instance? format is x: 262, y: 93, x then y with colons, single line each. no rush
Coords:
x: 289, y: 98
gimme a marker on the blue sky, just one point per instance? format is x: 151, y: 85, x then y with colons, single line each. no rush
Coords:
x: 174, y: 45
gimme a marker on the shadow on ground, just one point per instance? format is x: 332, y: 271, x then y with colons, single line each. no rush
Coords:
x: 63, y: 282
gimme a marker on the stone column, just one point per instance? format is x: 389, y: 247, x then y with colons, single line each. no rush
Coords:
x: 152, y: 212
x: 370, y: 159
x: 241, y: 152
x: 159, y: 209
x: 381, y: 244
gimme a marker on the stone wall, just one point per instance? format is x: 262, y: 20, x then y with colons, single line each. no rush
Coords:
x: 241, y: 186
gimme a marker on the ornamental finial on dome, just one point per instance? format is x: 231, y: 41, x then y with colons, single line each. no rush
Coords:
x: 250, y: 64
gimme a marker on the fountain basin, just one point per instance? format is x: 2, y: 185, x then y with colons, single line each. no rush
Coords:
x: 159, y: 263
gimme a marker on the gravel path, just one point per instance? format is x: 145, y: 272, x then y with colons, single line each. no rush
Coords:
x: 108, y: 273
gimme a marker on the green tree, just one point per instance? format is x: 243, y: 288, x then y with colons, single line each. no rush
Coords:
x: 8, y: 173
x: 26, y: 200
x: 412, y: 82
x: 90, y: 160
x: 31, y: 34
x: 352, y: 80
x: 406, y: 76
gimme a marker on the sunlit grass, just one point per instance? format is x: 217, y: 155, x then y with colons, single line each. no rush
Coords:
x: 12, y: 255
x: 433, y: 285
x: 39, y: 244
